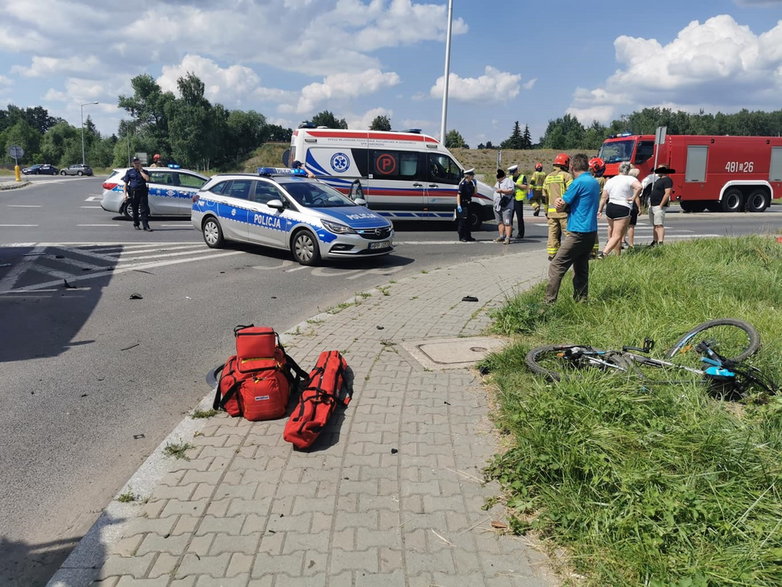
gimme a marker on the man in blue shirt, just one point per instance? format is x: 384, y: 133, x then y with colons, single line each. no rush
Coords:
x: 137, y: 192
x: 581, y: 200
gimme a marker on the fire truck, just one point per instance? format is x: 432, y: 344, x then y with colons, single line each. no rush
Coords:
x: 717, y: 173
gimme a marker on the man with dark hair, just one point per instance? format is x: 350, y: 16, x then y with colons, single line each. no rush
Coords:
x: 659, y: 198
x: 581, y: 199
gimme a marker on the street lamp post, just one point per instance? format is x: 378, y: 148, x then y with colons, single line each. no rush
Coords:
x: 447, y: 71
x: 81, y: 107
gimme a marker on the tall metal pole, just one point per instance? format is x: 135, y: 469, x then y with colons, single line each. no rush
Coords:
x: 81, y: 107
x: 447, y: 71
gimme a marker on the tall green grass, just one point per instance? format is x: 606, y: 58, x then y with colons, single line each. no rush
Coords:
x: 644, y: 484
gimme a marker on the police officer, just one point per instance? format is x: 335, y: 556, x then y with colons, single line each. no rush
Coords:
x: 520, y: 181
x: 463, y: 200
x: 137, y: 192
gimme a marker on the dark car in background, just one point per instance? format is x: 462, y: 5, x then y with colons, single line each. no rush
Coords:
x: 76, y: 169
x: 40, y: 169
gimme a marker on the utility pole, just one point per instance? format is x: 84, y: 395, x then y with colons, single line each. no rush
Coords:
x: 447, y: 71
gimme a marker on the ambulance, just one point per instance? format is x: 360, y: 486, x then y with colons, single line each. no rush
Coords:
x: 402, y: 175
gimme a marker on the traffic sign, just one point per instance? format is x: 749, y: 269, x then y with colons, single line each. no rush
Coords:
x: 15, y: 151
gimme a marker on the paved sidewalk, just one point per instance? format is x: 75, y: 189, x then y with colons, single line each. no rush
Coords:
x: 391, y: 495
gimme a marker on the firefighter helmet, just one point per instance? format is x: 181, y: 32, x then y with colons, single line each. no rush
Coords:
x: 156, y: 156
x: 538, y: 166
x: 597, y: 166
x: 563, y: 160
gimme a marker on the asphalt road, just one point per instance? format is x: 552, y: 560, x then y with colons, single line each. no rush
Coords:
x: 94, y: 380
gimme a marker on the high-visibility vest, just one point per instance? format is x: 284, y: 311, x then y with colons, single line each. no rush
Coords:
x: 554, y: 186
x: 538, y: 177
x: 521, y: 193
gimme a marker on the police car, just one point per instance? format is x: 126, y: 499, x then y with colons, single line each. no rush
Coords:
x: 171, y: 191
x: 285, y: 209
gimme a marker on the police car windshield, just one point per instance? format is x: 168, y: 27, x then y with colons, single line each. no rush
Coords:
x: 315, y: 195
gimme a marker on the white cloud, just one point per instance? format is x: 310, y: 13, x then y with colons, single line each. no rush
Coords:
x: 364, y: 120
x: 230, y: 84
x: 493, y: 86
x: 49, y: 66
x: 717, y: 61
x: 343, y: 86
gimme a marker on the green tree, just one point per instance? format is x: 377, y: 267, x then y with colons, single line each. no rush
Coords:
x: 148, y: 110
x: 454, y: 140
x: 380, y: 123
x: 192, y: 124
x: 563, y: 133
x: 277, y: 134
x: 516, y: 140
x: 23, y: 135
x: 526, y: 138
x: 328, y: 120
x: 61, y: 145
x: 245, y: 132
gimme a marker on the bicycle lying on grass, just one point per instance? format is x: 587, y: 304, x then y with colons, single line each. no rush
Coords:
x: 714, y: 350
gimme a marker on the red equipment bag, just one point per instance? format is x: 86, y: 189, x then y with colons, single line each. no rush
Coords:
x: 256, y: 381
x: 327, y: 386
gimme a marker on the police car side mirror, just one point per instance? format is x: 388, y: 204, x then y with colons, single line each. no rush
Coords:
x: 277, y: 204
x: 360, y: 202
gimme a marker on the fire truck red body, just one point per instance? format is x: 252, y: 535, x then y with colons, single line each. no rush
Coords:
x: 727, y: 173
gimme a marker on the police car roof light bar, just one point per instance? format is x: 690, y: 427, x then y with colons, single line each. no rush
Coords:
x: 280, y: 171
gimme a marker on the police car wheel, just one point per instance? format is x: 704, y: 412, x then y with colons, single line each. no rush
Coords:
x: 304, y: 248
x: 127, y: 211
x: 213, y: 234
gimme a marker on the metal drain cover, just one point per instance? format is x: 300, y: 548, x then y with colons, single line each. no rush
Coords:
x: 452, y: 353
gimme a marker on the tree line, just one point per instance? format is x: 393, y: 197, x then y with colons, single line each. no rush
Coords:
x: 189, y: 130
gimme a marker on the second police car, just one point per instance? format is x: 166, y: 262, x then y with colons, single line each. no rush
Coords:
x: 285, y: 209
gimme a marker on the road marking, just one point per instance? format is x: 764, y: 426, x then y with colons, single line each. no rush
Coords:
x: 13, y: 275
x: 24, y: 206
x: 91, y: 207
x: 95, y: 225
x: 18, y: 226
x: 115, y: 271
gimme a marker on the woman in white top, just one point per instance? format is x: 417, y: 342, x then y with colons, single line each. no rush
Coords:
x: 619, y: 193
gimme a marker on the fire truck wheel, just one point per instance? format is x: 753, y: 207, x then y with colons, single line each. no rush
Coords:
x: 757, y: 201
x: 733, y: 200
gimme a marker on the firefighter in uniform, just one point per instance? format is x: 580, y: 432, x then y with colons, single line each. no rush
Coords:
x: 463, y: 200
x: 554, y: 187
x: 597, y: 167
x: 536, y: 183
x: 520, y: 181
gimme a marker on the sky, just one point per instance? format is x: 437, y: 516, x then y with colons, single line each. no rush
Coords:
x: 511, y: 60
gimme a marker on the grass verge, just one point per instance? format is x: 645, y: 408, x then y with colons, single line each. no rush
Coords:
x: 657, y: 484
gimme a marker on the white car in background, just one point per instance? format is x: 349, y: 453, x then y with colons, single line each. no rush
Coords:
x: 171, y: 191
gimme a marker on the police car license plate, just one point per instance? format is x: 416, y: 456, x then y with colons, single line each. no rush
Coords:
x: 380, y: 245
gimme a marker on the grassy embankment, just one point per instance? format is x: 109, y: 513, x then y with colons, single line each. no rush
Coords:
x: 655, y: 485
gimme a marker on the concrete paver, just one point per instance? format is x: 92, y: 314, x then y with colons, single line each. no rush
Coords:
x: 392, y: 493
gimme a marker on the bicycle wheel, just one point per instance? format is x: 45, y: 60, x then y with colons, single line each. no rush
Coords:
x: 553, y: 360
x: 733, y: 339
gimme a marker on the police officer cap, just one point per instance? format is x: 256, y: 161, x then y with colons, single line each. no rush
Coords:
x: 513, y: 168
x: 136, y: 159
x: 470, y: 171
